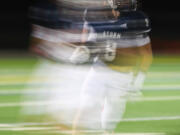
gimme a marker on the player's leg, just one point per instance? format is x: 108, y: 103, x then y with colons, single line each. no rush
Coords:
x: 124, y: 78
x: 92, y: 102
x: 117, y: 86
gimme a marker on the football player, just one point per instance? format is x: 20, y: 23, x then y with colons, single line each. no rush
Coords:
x: 117, y: 51
x: 118, y: 71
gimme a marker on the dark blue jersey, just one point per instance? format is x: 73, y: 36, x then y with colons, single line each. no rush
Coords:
x: 128, y: 22
x: 134, y: 21
x: 47, y: 14
x: 98, y: 5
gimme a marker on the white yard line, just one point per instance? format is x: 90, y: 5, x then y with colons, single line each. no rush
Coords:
x: 151, y: 118
x: 162, y: 87
x: 6, y: 125
x: 30, y: 126
x: 162, y: 98
x: 51, y: 130
x: 139, y: 134
x: 101, y: 133
x: 56, y: 102
x: 32, y: 103
x: 27, y: 91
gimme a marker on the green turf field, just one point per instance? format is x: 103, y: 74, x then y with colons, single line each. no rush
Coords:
x: 157, y: 111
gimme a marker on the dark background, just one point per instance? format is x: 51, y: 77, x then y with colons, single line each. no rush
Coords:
x: 164, y: 15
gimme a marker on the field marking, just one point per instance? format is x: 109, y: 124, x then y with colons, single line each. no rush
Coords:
x: 151, y: 119
x: 6, y: 125
x: 33, y: 84
x: 162, y: 87
x: 24, y: 92
x: 27, y: 124
x: 32, y: 103
x: 51, y: 130
x: 56, y: 102
x: 56, y: 130
x: 139, y: 134
x: 163, y: 98
x: 60, y: 102
x: 28, y: 128
x: 102, y: 133
x: 31, y: 125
